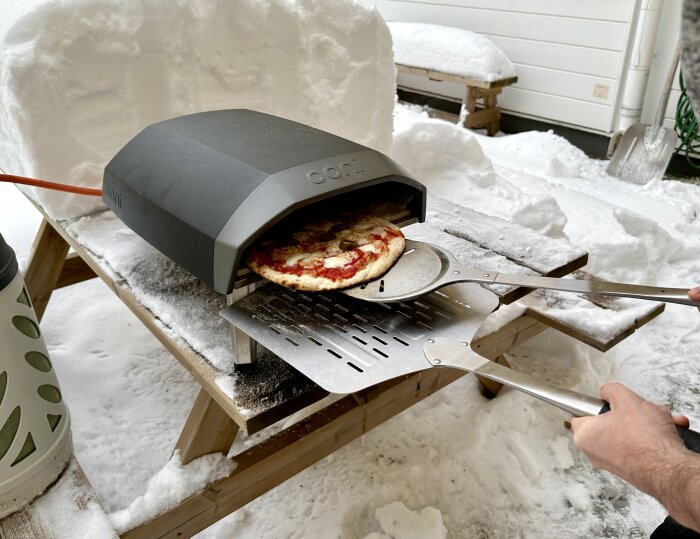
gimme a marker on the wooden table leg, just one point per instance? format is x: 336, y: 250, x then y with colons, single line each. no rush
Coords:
x: 75, y: 270
x: 490, y: 102
x: 45, y: 265
x: 494, y: 345
x: 208, y: 429
x: 488, y: 116
x: 489, y: 388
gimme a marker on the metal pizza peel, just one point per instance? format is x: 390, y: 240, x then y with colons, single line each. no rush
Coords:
x: 424, y: 267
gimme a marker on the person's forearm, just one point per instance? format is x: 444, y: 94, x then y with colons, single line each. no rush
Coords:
x: 675, y: 482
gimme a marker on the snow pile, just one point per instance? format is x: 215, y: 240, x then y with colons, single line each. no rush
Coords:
x: 449, y: 50
x: 80, y: 78
x: 537, y: 152
x: 399, y: 522
x: 630, y: 234
x: 450, y: 162
x: 172, y: 484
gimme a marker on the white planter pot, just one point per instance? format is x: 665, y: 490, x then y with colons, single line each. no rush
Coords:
x: 35, y: 440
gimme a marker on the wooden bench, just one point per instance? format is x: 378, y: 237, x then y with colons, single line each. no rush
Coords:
x: 232, y: 403
x: 480, y: 99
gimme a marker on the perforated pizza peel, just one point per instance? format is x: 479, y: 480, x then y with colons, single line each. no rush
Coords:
x: 345, y: 344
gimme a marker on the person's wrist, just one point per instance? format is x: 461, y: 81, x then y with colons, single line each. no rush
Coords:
x: 661, y: 473
x: 678, y: 485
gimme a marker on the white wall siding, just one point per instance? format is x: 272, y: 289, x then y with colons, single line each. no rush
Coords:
x: 609, y: 10
x: 576, y: 59
x: 568, y: 54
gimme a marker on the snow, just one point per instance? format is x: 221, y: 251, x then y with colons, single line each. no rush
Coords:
x: 449, y: 50
x: 185, y: 306
x: 80, y: 78
x: 450, y: 162
x: 172, y: 484
x: 454, y: 464
x: 397, y: 520
x: 64, y: 508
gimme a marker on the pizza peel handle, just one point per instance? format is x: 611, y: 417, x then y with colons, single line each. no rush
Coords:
x: 424, y: 267
x: 458, y: 354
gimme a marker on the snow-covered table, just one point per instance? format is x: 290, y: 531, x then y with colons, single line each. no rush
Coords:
x: 183, y: 314
x: 444, y: 53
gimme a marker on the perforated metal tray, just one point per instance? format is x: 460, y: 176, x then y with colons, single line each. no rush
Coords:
x: 344, y: 344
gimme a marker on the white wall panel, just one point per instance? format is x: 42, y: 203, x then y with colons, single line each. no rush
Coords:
x: 600, y: 34
x: 555, y: 108
x: 608, y: 10
x: 566, y: 84
x: 573, y: 58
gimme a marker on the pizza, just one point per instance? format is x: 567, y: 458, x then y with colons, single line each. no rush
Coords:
x: 327, y: 253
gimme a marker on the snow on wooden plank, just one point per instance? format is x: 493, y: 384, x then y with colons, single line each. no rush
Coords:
x: 69, y: 508
x: 491, y: 243
x: 183, y: 313
x: 600, y: 322
x: 545, y: 255
x: 449, y: 50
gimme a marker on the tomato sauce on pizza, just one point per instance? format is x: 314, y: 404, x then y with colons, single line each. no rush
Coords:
x: 328, y: 253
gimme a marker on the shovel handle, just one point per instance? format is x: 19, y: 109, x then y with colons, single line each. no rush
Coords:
x: 690, y: 438
x: 663, y: 100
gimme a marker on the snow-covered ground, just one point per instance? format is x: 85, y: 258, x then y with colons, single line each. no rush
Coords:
x: 455, y: 465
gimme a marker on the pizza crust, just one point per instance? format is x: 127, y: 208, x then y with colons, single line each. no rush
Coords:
x: 371, y: 233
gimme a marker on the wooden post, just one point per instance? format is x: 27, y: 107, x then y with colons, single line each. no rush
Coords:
x: 489, y: 115
x: 493, y: 346
x: 75, y: 270
x: 208, y: 429
x: 45, y: 265
x: 489, y: 388
x: 490, y: 103
x: 470, y: 100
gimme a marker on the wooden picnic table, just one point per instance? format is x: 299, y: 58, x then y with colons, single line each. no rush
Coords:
x: 242, y: 402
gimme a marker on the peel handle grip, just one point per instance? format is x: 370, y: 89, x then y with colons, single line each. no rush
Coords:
x: 690, y: 438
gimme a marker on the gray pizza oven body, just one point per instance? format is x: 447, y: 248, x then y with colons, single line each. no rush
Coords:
x: 201, y: 188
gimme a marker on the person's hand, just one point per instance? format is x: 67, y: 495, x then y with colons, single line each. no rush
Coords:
x: 694, y: 294
x: 633, y: 439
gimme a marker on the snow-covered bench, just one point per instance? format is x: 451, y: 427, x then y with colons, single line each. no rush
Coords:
x: 442, y: 53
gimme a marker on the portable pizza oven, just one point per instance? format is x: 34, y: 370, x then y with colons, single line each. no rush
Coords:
x: 201, y: 188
